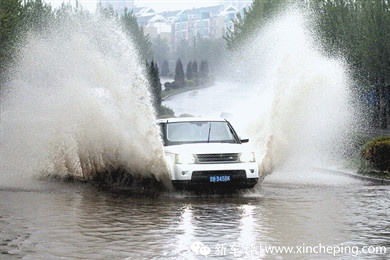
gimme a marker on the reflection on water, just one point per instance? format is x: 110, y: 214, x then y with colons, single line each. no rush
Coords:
x: 78, y: 221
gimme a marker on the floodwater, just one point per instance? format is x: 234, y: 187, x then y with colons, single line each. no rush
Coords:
x: 51, y: 220
x: 296, y: 213
x: 300, y: 211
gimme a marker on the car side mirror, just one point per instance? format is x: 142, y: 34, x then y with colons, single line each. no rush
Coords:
x: 244, y: 140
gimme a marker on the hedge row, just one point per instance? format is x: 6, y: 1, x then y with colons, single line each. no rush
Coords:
x: 377, y: 153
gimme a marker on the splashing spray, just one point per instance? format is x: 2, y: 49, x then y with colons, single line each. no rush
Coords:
x: 300, y: 103
x: 78, y: 105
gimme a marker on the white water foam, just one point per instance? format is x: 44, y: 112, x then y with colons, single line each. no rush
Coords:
x: 299, y: 113
x: 78, y: 104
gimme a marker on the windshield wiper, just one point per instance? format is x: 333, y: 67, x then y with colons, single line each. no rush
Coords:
x: 208, y: 137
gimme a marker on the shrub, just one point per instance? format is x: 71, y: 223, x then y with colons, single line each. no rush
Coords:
x: 178, y: 84
x: 165, y: 112
x: 190, y: 83
x: 186, y: 115
x: 168, y: 85
x: 377, y: 152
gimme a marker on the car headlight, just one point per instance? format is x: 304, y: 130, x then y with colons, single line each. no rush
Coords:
x: 185, y: 158
x: 247, y: 157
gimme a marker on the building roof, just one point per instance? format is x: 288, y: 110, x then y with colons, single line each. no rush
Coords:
x: 170, y: 13
x: 212, y: 9
x: 137, y: 9
x: 158, y: 18
x: 143, y: 20
x: 143, y: 11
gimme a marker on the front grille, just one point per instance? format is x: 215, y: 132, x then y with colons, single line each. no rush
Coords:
x: 217, y: 157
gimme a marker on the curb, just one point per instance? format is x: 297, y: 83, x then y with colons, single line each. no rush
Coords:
x: 182, y: 91
x: 360, y: 177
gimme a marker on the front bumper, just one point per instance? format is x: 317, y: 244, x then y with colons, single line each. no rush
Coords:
x: 204, y: 176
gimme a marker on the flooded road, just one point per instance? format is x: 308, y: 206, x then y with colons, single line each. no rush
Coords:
x: 79, y: 93
x: 295, y: 214
x: 77, y: 221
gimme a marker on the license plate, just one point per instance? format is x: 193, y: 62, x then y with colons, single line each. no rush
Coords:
x: 224, y: 178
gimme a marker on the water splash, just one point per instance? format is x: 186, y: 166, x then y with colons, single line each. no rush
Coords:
x: 78, y: 106
x: 300, y: 105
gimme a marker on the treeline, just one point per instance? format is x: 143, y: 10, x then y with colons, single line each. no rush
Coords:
x: 193, y: 76
x: 19, y: 17
x: 212, y: 50
x: 358, y: 30
x: 250, y: 20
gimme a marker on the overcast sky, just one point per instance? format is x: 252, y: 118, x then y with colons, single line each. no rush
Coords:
x: 157, y: 5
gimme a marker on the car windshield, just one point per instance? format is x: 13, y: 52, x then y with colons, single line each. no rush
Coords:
x: 200, y: 132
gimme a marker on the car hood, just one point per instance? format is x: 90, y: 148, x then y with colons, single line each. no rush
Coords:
x: 208, y: 148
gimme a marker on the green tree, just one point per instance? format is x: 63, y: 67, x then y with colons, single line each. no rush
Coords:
x: 360, y: 30
x: 17, y: 18
x: 189, y: 72
x: 179, y: 74
x: 250, y: 20
x: 37, y: 15
x: 131, y: 27
x: 195, y: 72
x: 67, y: 13
x: 204, y: 69
x: 107, y: 11
x: 155, y: 84
x: 10, y: 15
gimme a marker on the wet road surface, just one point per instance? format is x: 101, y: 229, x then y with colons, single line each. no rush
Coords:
x: 49, y: 220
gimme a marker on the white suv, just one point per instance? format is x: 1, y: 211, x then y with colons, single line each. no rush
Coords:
x: 203, y: 153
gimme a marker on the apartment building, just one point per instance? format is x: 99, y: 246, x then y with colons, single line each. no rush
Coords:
x: 175, y: 26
